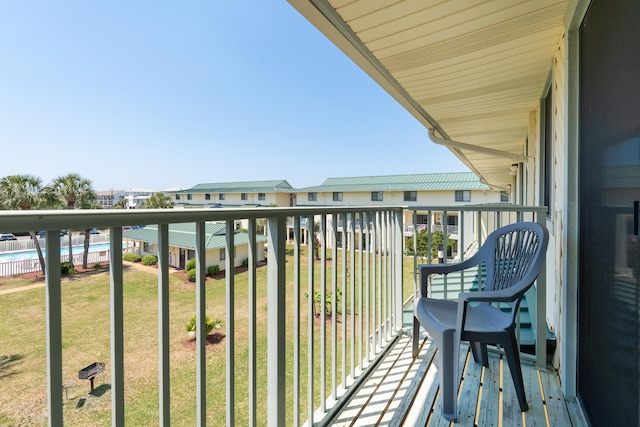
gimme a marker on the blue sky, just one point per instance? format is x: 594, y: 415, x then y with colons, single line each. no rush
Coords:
x: 159, y: 94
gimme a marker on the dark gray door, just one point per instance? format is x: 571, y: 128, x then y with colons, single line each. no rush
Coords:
x: 609, y: 297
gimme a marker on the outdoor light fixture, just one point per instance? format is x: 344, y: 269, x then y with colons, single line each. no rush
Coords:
x: 513, y: 169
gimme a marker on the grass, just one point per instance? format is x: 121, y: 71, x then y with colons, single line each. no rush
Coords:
x: 86, y: 339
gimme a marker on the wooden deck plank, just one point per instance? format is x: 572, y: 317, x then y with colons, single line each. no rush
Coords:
x: 536, y: 415
x: 488, y: 415
x: 403, y: 391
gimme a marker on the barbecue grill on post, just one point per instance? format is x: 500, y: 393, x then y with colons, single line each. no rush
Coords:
x: 90, y: 372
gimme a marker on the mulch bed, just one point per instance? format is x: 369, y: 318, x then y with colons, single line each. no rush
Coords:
x: 212, y: 339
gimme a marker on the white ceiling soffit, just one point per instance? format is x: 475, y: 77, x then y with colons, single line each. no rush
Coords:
x: 471, y: 70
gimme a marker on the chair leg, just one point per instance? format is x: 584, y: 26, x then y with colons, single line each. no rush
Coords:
x: 449, y: 381
x: 513, y: 358
x: 479, y: 351
x: 416, y: 337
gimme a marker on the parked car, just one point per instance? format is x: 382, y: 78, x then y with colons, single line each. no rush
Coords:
x: 41, y: 234
x: 7, y: 236
x: 92, y: 231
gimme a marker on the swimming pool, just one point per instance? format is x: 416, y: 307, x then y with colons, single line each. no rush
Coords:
x: 22, y: 255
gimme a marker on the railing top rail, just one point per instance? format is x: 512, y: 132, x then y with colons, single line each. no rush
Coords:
x: 481, y: 208
x: 102, y: 218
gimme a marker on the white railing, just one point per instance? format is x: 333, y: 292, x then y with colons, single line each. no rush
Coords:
x: 367, y: 274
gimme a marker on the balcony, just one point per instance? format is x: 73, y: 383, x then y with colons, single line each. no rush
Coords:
x: 353, y: 367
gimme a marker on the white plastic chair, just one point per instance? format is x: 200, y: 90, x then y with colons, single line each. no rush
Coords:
x: 513, y: 256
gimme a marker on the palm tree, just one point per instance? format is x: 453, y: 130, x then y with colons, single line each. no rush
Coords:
x: 158, y: 201
x: 26, y: 192
x: 74, y: 190
x: 121, y: 204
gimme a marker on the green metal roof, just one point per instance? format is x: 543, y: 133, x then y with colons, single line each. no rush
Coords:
x: 184, y: 235
x: 274, y: 186
x: 415, y: 182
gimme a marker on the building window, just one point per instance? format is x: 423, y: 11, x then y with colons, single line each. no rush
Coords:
x: 262, y: 196
x: 223, y: 254
x: 177, y: 197
x: 147, y: 247
x: 243, y: 196
x: 504, y: 196
x: 410, y: 196
x: 548, y: 152
x: 188, y: 196
x: 221, y: 196
x: 337, y: 196
x: 312, y: 197
x: 376, y: 196
x: 207, y: 196
x: 463, y: 196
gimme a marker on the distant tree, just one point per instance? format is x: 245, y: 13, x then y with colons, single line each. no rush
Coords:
x: 158, y: 201
x: 74, y: 190
x: 423, y: 248
x: 121, y: 204
x: 26, y: 192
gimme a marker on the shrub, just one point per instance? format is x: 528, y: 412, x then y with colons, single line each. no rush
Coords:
x: 132, y: 257
x: 149, y: 260
x: 245, y: 262
x: 65, y: 267
x: 191, y: 275
x: 213, y: 270
x: 97, y: 265
x: 191, y: 265
x: 208, y: 321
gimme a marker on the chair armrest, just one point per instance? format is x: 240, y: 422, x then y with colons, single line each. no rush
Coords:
x: 504, y: 295
x: 428, y: 269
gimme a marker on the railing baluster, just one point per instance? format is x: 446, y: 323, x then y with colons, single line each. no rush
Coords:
x: 230, y: 252
x: 343, y: 287
x: 367, y: 288
x: 310, y: 334
x: 334, y: 305
x: 352, y: 253
x: 296, y: 322
x: 163, y: 328
x: 252, y: 330
x: 361, y: 338
x: 322, y: 314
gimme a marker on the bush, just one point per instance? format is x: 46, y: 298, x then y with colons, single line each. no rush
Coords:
x: 65, y: 267
x: 213, y: 270
x: 132, y: 257
x: 245, y: 262
x: 191, y: 265
x: 191, y: 275
x: 208, y: 321
x: 97, y: 265
x: 149, y: 260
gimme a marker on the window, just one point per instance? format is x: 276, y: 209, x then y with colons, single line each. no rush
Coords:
x: 337, y: 196
x: 376, y: 196
x: 262, y: 196
x: 177, y: 197
x: 147, y: 247
x: 207, y: 196
x: 410, y: 196
x: 312, y: 197
x: 188, y: 196
x: 504, y: 196
x: 223, y: 254
x: 243, y: 196
x: 463, y: 196
x: 548, y: 152
x: 221, y: 196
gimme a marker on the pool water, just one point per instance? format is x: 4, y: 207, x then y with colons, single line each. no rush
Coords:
x: 22, y: 255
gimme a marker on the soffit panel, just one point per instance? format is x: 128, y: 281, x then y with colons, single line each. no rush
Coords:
x: 475, y: 67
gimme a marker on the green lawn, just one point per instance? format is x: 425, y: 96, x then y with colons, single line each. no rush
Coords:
x: 86, y: 339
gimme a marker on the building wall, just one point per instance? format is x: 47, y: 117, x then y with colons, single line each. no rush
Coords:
x: 199, y: 199
x: 396, y: 198
x: 212, y: 256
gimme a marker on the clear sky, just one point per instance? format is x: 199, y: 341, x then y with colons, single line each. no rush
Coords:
x: 159, y: 94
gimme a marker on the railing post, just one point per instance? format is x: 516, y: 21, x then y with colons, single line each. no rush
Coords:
x: 230, y: 254
x: 541, y: 308
x: 276, y: 321
x: 117, y: 328
x: 54, y: 330
x: 399, y: 271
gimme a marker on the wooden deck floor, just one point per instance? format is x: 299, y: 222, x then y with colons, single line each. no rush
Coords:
x: 402, y: 391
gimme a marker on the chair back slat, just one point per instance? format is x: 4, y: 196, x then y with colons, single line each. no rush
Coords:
x: 514, y: 254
